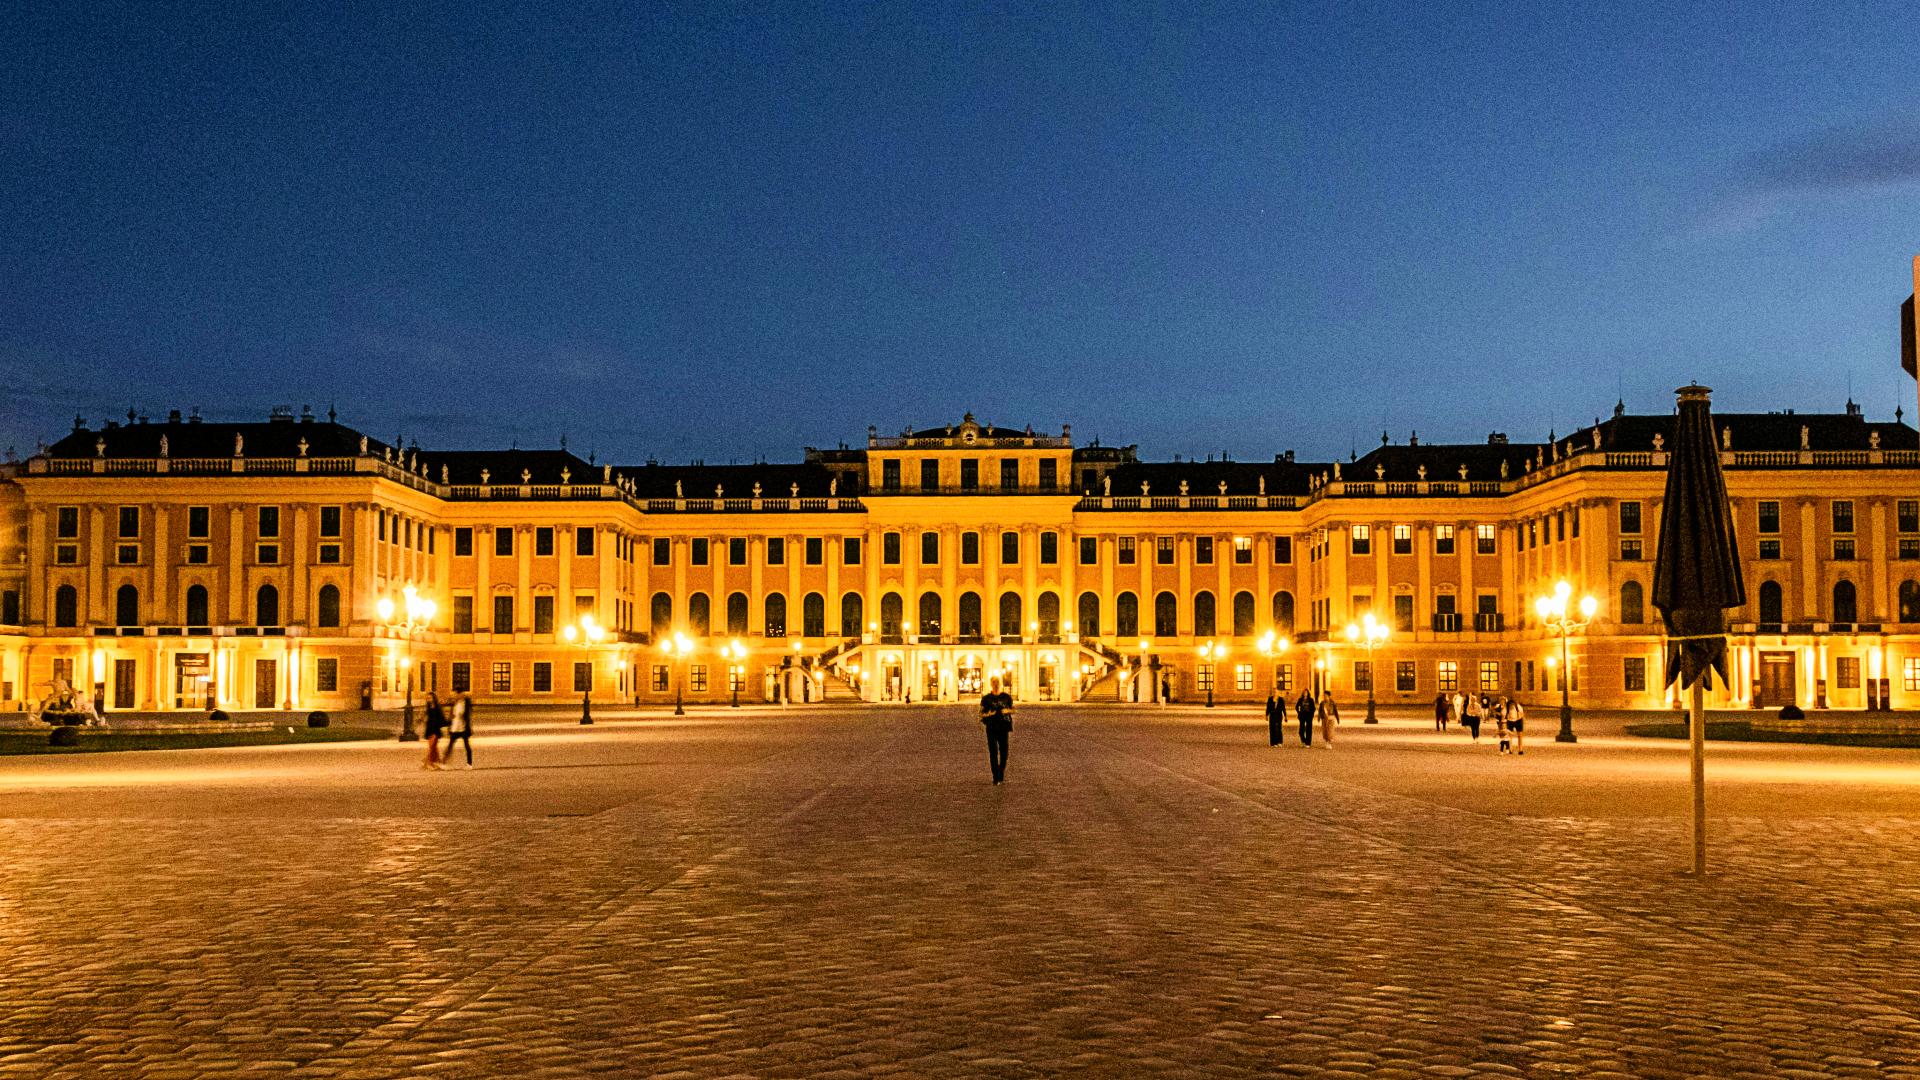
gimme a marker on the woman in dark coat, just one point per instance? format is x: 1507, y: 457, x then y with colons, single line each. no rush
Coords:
x: 1276, y: 719
x: 1304, y: 710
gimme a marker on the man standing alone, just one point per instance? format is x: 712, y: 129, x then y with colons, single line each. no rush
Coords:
x: 996, y: 713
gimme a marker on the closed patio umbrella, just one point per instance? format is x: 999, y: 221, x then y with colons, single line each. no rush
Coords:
x: 1696, y: 577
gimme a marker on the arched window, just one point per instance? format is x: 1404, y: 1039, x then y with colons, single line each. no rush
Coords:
x: 1243, y: 614
x: 1845, y: 607
x: 1010, y: 616
x: 1283, y: 611
x: 66, y: 606
x: 1770, y: 605
x: 853, y: 616
x: 266, y: 606
x: 969, y: 616
x: 1204, y: 624
x: 1910, y: 601
x: 197, y: 605
x: 736, y: 614
x: 891, y: 608
x: 776, y: 615
x: 1166, y: 615
x: 1049, y: 608
x: 1632, y: 604
x: 660, y: 620
x: 813, y: 615
x: 126, y: 606
x: 929, y: 628
x: 326, y: 610
x: 700, y: 615
x: 1126, y: 615
x: 1088, y: 616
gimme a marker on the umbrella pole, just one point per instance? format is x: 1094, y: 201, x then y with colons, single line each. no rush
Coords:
x: 1697, y: 736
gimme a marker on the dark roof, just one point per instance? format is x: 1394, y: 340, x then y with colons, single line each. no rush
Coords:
x: 504, y: 466
x: 1441, y: 460
x: 1755, y: 431
x: 699, y: 481
x: 1204, y: 477
x: 189, y: 439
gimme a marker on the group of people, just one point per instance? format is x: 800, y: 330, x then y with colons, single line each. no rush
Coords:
x: 1508, y: 717
x: 454, y: 723
x: 1306, y: 710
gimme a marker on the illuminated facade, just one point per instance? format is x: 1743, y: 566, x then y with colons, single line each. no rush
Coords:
x: 176, y: 564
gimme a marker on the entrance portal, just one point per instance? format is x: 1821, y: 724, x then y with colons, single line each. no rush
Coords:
x: 1776, y: 679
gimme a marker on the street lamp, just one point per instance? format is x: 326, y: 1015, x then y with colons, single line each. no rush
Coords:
x: 675, y: 648
x: 586, y: 633
x: 413, y: 613
x: 1272, y: 645
x: 1210, y: 654
x: 1556, y: 613
x: 1372, y: 633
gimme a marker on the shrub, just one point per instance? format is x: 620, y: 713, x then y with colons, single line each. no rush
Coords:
x: 316, y: 718
x: 219, y: 716
x: 64, y: 735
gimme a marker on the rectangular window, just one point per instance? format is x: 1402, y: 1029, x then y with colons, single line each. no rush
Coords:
x: 1403, y: 613
x: 66, y: 520
x: 1769, y: 515
x: 1630, y: 516
x: 1843, y: 515
x: 543, y: 614
x: 503, y: 613
x: 1846, y: 672
x: 1282, y: 549
x: 463, y: 614
x: 503, y: 541
x: 1163, y: 550
x: 1633, y: 676
x: 1283, y: 677
x: 129, y: 522
x: 1769, y: 549
x: 1489, y: 675
x: 1049, y: 548
x: 1009, y: 547
x: 199, y: 554
x: 1125, y: 553
x: 1910, y: 673
x: 267, y: 554
x: 929, y: 548
x: 383, y: 526
x: 736, y: 551
x: 850, y: 551
x: 697, y: 679
x: 1843, y: 548
x: 269, y: 522
x: 890, y: 549
x: 930, y: 475
x: 1484, y: 542
x: 329, y: 521
x: 1243, y: 551
x: 890, y: 474
x: 1203, y: 550
x: 1403, y: 677
x: 1630, y: 550
x: 698, y: 551
x: 583, y: 540
x: 969, y: 474
x: 1559, y: 525
x: 1909, y: 547
x: 543, y: 541
x: 463, y: 541
x: 582, y: 677
x: 462, y: 676
x: 969, y: 549
x: 1907, y: 511
x: 330, y: 554
x: 326, y: 675
x: 1362, y: 539
x: 1049, y: 474
x: 662, y: 551
x: 10, y: 607
x: 1243, y: 676
x: 1203, y: 677
x: 503, y: 676
x: 542, y: 677
x: 1010, y: 474
x: 816, y: 551
x: 1403, y: 539
x: 776, y: 551
x: 127, y: 554
x: 1447, y: 676
x: 1362, y: 676
x: 1089, y: 550
x: 660, y: 676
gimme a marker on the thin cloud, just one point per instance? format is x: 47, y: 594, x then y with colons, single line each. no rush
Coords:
x: 1841, y: 158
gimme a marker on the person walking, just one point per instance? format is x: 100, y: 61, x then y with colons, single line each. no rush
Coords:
x: 1439, y: 712
x: 1304, y: 710
x: 1517, y: 723
x: 460, y: 728
x: 1329, y: 719
x: 996, y: 714
x: 436, y: 727
x: 1500, y: 726
x: 1276, y: 719
x: 1471, y: 718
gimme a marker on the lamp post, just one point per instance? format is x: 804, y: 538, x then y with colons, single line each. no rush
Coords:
x: 1557, y: 614
x: 1210, y: 654
x: 675, y: 648
x: 1272, y: 645
x: 736, y: 655
x: 585, y: 633
x: 413, y: 613
x: 1372, y: 633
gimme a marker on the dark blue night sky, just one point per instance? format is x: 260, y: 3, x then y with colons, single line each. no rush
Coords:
x: 681, y: 231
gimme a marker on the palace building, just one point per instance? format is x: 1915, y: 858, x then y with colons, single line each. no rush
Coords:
x: 187, y: 564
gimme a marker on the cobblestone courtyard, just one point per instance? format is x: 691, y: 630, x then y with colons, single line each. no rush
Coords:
x: 814, y: 894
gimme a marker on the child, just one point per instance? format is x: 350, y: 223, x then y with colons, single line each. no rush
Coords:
x: 1500, y: 725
